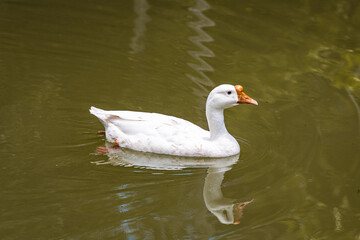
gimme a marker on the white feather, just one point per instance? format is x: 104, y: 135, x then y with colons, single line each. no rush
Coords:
x: 158, y: 133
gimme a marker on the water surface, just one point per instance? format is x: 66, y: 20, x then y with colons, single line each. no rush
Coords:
x: 300, y: 157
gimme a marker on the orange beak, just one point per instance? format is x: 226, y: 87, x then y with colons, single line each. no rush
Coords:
x: 242, y: 97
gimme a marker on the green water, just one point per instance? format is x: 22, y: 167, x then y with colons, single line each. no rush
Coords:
x: 300, y: 148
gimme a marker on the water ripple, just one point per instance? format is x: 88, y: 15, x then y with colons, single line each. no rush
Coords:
x: 140, y: 7
x: 202, y: 66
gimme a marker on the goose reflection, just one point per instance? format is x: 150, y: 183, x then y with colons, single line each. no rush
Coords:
x: 227, y: 210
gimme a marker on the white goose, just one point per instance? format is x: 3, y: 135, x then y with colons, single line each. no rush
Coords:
x: 162, y: 134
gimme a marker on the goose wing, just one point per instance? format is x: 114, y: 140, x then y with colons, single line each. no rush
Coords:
x: 149, y: 131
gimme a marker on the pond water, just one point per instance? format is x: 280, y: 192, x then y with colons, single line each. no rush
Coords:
x: 300, y: 148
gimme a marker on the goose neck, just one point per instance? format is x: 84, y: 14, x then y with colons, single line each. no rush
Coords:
x: 215, y: 118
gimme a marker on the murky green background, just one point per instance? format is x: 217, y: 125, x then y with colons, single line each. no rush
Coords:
x: 300, y: 158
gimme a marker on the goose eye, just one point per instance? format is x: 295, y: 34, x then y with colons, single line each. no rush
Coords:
x: 229, y: 92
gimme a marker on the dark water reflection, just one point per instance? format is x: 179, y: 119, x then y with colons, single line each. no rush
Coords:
x: 300, y: 158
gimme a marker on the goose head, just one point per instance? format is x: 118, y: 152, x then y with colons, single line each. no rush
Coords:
x: 226, y: 96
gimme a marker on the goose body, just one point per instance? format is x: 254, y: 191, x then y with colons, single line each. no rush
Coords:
x: 163, y: 134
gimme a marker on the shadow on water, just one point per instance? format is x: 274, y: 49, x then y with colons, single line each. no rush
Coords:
x: 227, y: 210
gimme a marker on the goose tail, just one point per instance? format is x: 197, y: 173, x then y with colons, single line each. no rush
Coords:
x: 100, y: 114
